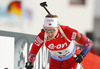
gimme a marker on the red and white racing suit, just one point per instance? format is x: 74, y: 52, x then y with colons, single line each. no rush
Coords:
x: 61, y: 50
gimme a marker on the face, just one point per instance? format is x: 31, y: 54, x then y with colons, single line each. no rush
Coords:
x: 51, y: 32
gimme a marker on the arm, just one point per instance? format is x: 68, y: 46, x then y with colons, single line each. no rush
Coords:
x: 87, y: 43
x: 39, y: 40
x: 35, y: 48
x: 73, y: 34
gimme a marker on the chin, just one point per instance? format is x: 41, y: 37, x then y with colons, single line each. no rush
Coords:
x: 51, y: 38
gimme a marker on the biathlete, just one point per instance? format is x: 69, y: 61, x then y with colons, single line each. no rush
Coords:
x: 59, y: 40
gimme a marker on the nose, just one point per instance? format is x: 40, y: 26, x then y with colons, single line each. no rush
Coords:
x: 49, y: 33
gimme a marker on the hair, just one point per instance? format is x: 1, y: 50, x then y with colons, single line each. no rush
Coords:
x: 51, y: 16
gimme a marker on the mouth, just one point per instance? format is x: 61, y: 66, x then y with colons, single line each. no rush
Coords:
x: 50, y: 36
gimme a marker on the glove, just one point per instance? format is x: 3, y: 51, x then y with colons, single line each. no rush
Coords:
x: 29, y: 65
x: 79, y: 57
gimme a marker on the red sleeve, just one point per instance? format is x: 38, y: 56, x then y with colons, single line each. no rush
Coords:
x: 70, y: 32
x: 38, y: 42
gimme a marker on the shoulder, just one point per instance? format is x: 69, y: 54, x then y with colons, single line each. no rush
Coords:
x: 41, y: 34
x: 42, y: 31
x: 69, y: 32
x: 65, y: 27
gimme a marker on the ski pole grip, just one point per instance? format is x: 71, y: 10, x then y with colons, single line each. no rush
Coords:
x: 43, y: 4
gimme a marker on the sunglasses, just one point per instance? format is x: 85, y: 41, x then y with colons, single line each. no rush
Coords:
x: 49, y: 31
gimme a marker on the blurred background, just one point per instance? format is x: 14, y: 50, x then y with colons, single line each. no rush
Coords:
x: 22, y: 20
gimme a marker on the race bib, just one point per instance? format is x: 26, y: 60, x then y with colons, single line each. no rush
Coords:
x: 65, y: 52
